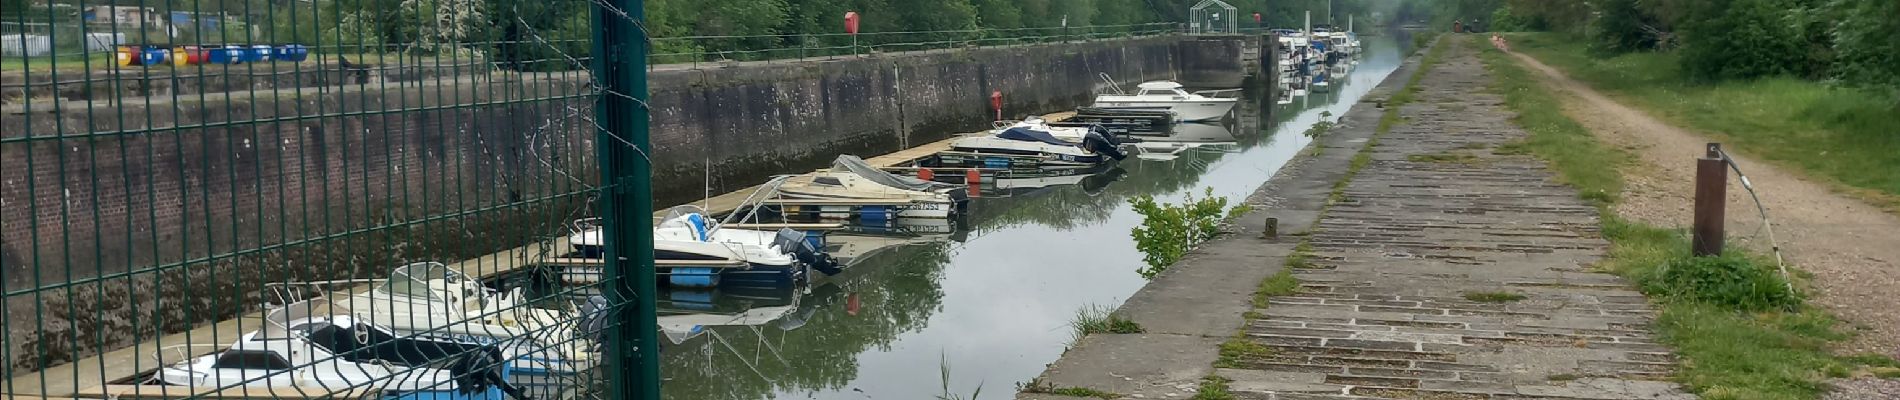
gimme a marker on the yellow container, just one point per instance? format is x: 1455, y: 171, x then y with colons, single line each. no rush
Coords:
x: 125, y: 55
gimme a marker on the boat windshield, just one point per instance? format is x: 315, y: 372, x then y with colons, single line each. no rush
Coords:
x: 413, y: 279
x: 689, y: 216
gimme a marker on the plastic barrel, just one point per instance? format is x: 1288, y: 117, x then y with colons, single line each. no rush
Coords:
x: 187, y: 55
x: 154, y: 56
x: 257, y: 53
x: 292, y: 53
x: 126, y: 56
x: 224, y: 55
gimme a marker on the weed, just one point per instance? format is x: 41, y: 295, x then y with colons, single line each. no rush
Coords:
x: 1472, y: 146
x: 1237, y: 349
x: 1169, y: 231
x: 1493, y: 297
x: 1513, y: 148
x: 1213, y: 387
x: 1280, y: 284
x: 1093, y: 319
x: 1886, y: 373
x: 1563, y: 377
x: 943, y: 367
x: 1730, y: 281
x: 1037, y: 386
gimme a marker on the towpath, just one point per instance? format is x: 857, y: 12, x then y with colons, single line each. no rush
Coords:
x: 1387, y: 309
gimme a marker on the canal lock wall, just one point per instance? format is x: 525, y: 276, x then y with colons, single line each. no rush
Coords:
x: 156, y: 170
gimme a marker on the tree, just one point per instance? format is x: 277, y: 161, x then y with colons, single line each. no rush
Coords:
x: 1740, y: 39
x: 1867, y: 43
x: 1620, y: 27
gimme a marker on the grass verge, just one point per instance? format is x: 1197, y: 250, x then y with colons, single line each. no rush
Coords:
x: 1213, y: 387
x: 1841, y: 135
x: 1735, y: 341
x: 1095, y: 319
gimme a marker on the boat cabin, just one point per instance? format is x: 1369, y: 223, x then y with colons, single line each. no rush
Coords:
x: 1162, y: 88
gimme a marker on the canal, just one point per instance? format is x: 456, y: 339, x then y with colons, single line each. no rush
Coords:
x: 985, y: 303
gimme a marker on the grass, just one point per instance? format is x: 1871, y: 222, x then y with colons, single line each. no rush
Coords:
x: 1735, y: 344
x: 1493, y: 297
x: 1213, y: 387
x: 1563, y: 377
x: 1842, y: 135
x: 1070, y: 391
x: 1237, y: 349
x: 1280, y: 284
x: 1093, y: 319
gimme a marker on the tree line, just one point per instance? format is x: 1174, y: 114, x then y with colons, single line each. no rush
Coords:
x: 1852, y: 42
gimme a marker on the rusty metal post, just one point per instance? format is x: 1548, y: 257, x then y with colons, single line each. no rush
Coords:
x: 1711, y: 198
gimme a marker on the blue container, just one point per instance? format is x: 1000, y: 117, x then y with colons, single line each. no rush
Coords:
x: 154, y: 56
x: 224, y: 54
x: 693, y: 277
x: 257, y: 53
x: 292, y: 53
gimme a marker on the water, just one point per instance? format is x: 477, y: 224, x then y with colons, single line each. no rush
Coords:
x: 987, y: 305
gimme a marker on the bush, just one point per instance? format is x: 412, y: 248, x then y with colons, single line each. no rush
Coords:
x: 1168, y: 231
x: 1728, y: 281
x: 1741, y: 39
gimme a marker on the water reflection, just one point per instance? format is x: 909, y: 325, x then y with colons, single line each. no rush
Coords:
x: 990, y: 294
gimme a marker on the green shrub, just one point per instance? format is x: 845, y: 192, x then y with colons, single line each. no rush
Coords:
x: 1168, y: 231
x: 1741, y: 39
x: 1729, y: 281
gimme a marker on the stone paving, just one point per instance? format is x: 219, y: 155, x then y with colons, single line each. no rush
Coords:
x: 1438, y: 215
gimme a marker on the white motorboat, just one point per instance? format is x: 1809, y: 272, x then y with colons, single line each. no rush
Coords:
x: 850, y: 178
x: 1168, y: 95
x: 687, y: 245
x: 1187, y: 137
x: 430, y: 299
x: 1053, y: 147
x: 321, y: 346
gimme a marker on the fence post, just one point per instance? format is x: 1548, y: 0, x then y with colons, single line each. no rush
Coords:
x: 1711, y: 198
x: 626, y: 204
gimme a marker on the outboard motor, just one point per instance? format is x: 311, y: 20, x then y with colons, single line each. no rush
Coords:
x: 1102, y: 144
x: 592, y: 322
x: 793, y: 241
x: 478, y: 370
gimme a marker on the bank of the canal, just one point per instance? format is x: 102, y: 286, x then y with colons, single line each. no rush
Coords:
x: 985, y: 301
x: 1435, y: 267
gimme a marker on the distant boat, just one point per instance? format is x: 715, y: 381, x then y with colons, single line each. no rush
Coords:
x: 850, y: 178
x: 1051, y: 147
x: 695, y: 251
x: 1169, y: 95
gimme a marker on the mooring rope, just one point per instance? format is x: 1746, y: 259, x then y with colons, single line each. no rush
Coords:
x: 1761, y: 210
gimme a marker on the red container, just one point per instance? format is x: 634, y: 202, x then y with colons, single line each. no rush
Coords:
x: 851, y: 22
x: 188, y: 55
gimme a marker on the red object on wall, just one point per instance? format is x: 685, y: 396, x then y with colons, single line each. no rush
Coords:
x: 851, y: 22
x: 996, y: 103
x: 851, y: 304
x: 1256, y: 18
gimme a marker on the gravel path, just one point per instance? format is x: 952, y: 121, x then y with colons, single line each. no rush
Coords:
x: 1851, y: 247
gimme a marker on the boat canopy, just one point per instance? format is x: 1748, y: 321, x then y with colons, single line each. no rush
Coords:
x: 1031, y: 135
x: 1159, y: 85
x: 857, y: 166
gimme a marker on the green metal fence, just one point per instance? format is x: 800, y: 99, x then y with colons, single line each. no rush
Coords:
x: 344, y: 198
x: 328, y: 198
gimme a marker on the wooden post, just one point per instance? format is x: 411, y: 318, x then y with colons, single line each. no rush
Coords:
x: 1711, y: 198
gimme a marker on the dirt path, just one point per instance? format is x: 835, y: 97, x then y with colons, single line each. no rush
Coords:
x: 1852, y: 248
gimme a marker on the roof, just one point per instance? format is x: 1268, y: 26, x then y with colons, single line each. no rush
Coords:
x: 1159, y: 85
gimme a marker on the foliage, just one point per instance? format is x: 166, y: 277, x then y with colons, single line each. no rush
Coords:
x: 1618, y: 27
x: 1730, y: 281
x: 1279, y: 284
x: 1319, y: 128
x: 1740, y: 39
x: 1867, y: 43
x: 1168, y: 231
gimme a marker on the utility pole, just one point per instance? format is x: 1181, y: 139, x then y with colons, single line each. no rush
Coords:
x: 632, y: 361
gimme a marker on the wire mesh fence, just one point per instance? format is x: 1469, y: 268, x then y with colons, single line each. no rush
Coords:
x: 336, y: 198
x: 347, y: 198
